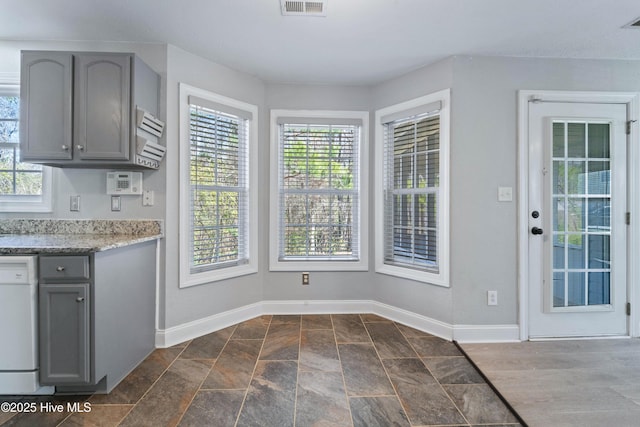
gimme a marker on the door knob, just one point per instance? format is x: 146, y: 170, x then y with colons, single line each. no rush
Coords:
x: 536, y: 230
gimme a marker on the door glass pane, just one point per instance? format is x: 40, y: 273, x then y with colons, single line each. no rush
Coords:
x: 580, y: 207
x: 576, y: 289
x: 558, y: 139
x: 576, y: 141
x: 598, y: 140
x: 575, y: 177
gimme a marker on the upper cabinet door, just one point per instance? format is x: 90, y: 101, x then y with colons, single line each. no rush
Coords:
x: 46, y: 106
x: 103, y: 106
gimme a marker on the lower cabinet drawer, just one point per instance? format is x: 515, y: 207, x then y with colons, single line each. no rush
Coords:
x: 71, y: 267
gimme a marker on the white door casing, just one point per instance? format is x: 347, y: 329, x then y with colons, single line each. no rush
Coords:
x: 573, y: 249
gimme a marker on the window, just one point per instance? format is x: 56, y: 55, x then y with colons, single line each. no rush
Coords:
x: 24, y: 187
x: 412, y: 189
x: 318, y: 201
x: 217, y: 198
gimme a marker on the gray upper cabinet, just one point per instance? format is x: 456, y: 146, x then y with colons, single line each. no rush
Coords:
x: 102, y: 101
x: 78, y: 109
x: 46, y: 106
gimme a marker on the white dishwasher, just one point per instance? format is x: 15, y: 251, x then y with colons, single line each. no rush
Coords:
x: 19, y: 326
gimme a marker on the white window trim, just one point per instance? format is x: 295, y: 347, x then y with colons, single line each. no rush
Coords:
x: 187, y: 278
x: 10, y: 85
x: 442, y: 277
x: 275, y: 264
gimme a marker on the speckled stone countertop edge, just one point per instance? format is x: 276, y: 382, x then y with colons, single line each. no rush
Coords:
x: 82, y: 226
x: 72, y: 243
x: 34, y: 236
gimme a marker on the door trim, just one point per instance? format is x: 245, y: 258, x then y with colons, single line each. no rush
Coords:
x: 632, y: 101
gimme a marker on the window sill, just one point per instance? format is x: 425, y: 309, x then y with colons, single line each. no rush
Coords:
x: 188, y: 280
x: 305, y: 265
x: 422, y: 276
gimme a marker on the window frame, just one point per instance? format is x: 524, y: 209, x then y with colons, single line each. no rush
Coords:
x: 222, y: 272
x: 10, y: 86
x: 440, y: 278
x: 322, y: 117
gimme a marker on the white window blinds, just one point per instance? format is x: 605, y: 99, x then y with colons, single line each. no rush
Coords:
x: 17, y: 179
x: 412, y: 190
x: 319, y: 189
x: 219, y: 185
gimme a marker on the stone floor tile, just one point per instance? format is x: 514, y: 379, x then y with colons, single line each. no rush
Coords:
x: 208, y: 346
x: 321, y: 400
x: 480, y: 404
x: 136, y: 384
x: 98, y: 416
x: 316, y: 321
x: 270, y: 399
x: 234, y: 367
x: 282, y: 342
x: 389, y: 341
x: 255, y: 328
x: 453, y: 370
x: 363, y: 371
x: 378, y: 411
x: 349, y: 328
x: 434, y: 347
x: 318, y: 351
x: 415, y: 387
x: 219, y: 408
x: 168, y: 399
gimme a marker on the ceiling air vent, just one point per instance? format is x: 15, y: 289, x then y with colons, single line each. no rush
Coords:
x: 303, y: 8
x: 633, y: 24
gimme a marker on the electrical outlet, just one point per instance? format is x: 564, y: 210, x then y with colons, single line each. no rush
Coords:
x: 147, y: 198
x: 305, y: 278
x: 74, y: 203
x: 492, y: 297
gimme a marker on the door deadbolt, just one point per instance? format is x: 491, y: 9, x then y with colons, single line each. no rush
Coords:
x: 535, y: 214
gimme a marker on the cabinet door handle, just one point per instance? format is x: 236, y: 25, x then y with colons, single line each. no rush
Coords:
x: 65, y: 147
x: 79, y: 299
x: 80, y: 147
x: 59, y: 268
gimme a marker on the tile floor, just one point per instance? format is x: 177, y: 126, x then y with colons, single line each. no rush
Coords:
x: 310, y: 370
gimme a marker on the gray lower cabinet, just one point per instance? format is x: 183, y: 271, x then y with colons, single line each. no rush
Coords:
x: 64, y: 334
x: 97, y: 316
x: 79, y: 109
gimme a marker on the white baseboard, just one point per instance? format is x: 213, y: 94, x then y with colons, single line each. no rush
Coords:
x: 197, y: 328
x: 486, y: 333
x: 462, y: 333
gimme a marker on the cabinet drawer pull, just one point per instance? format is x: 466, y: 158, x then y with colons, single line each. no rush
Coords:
x: 65, y: 147
x: 79, y: 299
x: 59, y: 268
x: 80, y: 147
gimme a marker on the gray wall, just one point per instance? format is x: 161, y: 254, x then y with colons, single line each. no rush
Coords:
x: 421, y: 298
x: 179, y: 306
x: 324, y: 285
x: 483, y: 157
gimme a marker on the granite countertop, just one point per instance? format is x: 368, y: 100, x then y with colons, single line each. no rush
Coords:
x: 74, y: 236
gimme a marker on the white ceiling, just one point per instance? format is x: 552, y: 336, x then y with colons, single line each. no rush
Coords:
x: 359, y: 42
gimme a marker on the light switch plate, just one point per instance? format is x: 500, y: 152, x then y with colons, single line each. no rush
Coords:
x: 74, y: 203
x: 115, y: 203
x: 505, y: 194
